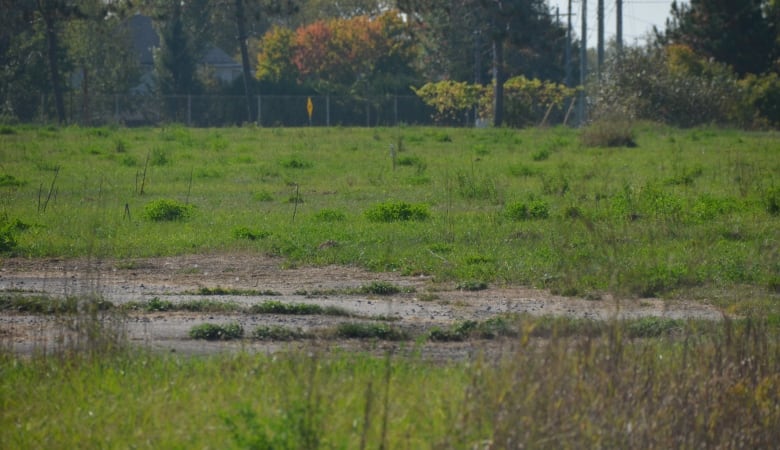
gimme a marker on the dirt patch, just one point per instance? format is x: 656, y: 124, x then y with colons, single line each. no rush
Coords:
x: 424, y: 305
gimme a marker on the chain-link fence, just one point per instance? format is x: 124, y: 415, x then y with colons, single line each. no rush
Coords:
x: 221, y: 110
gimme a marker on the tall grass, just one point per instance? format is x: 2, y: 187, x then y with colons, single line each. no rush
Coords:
x: 716, y: 387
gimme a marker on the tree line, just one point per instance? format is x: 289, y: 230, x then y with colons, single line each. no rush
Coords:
x: 367, y: 48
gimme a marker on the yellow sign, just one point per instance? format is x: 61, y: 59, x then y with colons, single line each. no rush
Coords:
x: 309, y: 107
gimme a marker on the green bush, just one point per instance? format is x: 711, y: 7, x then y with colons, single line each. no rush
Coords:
x: 164, y: 210
x: 534, y: 209
x: 213, y: 332
x: 397, y: 212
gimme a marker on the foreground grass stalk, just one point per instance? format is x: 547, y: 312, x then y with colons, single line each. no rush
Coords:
x: 717, y: 390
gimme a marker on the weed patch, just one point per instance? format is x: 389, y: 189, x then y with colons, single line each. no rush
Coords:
x: 280, y: 333
x: 214, y: 332
x: 249, y: 233
x: 359, y: 330
x: 608, y: 133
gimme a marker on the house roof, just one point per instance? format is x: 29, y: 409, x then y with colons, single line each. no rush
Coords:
x: 144, y: 37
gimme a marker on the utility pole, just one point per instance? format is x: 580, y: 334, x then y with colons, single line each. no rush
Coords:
x: 583, y: 62
x: 619, y: 38
x: 600, y: 44
x: 567, y: 77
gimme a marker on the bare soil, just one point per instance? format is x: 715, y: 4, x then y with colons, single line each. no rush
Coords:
x: 177, y: 278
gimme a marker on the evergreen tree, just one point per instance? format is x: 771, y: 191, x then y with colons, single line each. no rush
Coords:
x: 739, y: 33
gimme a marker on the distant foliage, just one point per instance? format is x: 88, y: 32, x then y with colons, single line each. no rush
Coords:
x: 451, y: 100
x: 665, y: 85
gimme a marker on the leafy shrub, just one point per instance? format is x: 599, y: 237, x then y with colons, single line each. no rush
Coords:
x: 534, y: 209
x: 249, y: 233
x: 451, y: 100
x: 397, y: 212
x: 532, y: 101
x: 8, y: 230
x: 357, y: 330
x: 163, y: 210
x: 330, y: 215
x: 608, y: 133
x: 213, y: 332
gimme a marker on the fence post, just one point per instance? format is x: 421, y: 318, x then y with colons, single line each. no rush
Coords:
x: 259, y: 112
x: 327, y: 110
x: 395, y: 109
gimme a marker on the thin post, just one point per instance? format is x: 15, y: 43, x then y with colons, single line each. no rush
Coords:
x: 567, y: 78
x: 583, y: 62
x: 600, y: 44
x: 619, y: 13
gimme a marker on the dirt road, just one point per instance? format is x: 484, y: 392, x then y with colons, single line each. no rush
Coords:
x: 424, y: 305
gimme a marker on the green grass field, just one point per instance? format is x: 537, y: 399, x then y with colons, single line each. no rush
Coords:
x: 691, y: 214
x: 696, y: 211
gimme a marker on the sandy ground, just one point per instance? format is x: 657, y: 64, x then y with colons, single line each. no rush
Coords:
x: 175, y: 278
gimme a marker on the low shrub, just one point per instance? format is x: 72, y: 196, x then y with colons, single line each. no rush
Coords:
x: 213, y: 332
x: 397, y: 212
x: 166, y: 210
x: 534, y: 209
